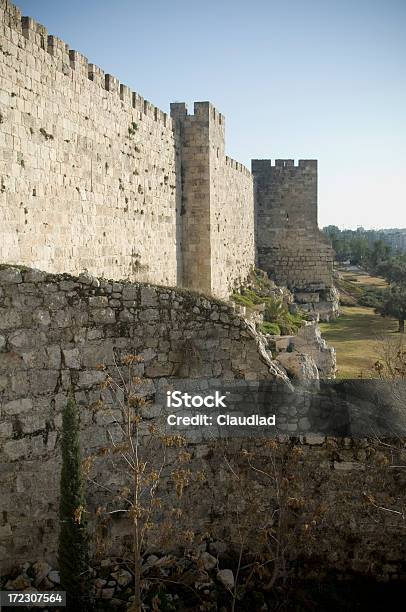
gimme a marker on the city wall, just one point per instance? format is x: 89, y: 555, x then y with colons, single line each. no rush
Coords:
x: 91, y: 174
x: 88, y: 170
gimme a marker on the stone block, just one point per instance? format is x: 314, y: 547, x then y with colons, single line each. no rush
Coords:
x: 17, y: 406
x: 10, y: 276
x: 71, y: 358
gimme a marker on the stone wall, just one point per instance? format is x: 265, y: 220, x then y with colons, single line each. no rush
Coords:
x: 91, y: 174
x: 55, y: 331
x: 217, y: 204
x: 290, y: 247
x: 344, y: 506
x: 88, y: 171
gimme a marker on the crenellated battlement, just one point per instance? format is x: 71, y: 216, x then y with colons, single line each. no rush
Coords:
x: 99, y: 178
x: 237, y: 166
x: 263, y: 165
x: 67, y: 60
x: 11, y: 15
x: 205, y: 112
x: 202, y: 111
x: 290, y: 247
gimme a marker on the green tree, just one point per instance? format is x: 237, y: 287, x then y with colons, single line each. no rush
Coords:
x: 394, y: 305
x: 359, y: 250
x: 362, y: 247
x: 378, y: 253
x: 394, y: 269
x: 73, y: 542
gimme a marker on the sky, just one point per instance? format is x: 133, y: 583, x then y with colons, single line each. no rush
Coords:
x: 315, y: 79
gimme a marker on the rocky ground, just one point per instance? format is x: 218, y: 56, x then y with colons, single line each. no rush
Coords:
x: 199, y: 580
x: 203, y: 581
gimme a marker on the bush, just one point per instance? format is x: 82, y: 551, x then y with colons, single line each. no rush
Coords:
x: 373, y: 298
x: 277, y: 312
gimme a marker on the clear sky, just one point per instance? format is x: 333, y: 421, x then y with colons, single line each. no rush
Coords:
x: 321, y: 79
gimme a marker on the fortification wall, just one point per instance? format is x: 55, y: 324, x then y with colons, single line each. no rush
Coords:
x: 88, y: 167
x: 217, y: 204
x: 231, y: 214
x: 91, y: 174
x: 289, y: 244
x: 192, y: 134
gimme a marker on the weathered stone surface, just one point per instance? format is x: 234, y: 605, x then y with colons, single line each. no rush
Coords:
x: 299, y: 365
x: 42, y: 317
x: 20, y: 583
x: 208, y: 561
x: 90, y: 378
x: 41, y: 364
x: 315, y: 440
x: 123, y: 577
x: 107, y: 593
x: 308, y: 340
x: 10, y: 276
x: 41, y: 569
x: 54, y: 577
x: 71, y: 358
x: 9, y: 318
x: 17, y: 406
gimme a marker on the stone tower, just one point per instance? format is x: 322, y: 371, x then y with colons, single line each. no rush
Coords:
x: 290, y: 247
x: 217, y: 208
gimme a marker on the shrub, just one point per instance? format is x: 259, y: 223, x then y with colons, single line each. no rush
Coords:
x: 277, y: 312
x: 372, y: 298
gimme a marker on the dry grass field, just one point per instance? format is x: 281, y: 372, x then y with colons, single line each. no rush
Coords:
x: 358, y: 333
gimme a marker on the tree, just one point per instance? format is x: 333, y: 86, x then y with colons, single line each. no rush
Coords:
x: 394, y: 305
x: 360, y: 250
x: 379, y: 252
x: 73, y: 542
x: 394, y: 269
x: 142, y: 456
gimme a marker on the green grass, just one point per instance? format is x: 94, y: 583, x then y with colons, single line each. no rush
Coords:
x: 270, y: 328
x: 355, y: 335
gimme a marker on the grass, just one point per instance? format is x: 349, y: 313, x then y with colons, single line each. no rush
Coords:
x: 365, y: 280
x: 358, y: 332
x: 355, y: 335
x: 270, y: 328
x: 259, y: 292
